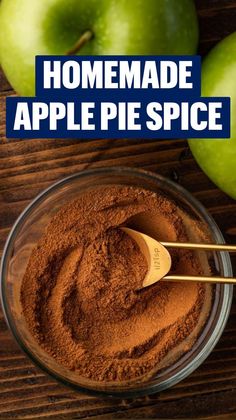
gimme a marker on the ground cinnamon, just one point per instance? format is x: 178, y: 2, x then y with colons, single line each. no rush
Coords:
x: 80, y: 293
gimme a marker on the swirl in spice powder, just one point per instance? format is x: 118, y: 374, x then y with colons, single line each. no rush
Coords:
x: 81, y: 294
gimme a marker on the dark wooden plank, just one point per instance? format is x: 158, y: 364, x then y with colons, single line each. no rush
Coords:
x: 4, y: 85
x: 216, y: 20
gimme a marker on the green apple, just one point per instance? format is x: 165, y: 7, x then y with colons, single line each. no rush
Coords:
x: 127, y: 27
x: 217, y: 157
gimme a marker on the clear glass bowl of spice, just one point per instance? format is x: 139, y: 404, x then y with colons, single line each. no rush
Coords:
x: 71, y: 280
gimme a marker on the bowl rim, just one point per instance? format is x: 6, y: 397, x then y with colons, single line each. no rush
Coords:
x: 226, y: 263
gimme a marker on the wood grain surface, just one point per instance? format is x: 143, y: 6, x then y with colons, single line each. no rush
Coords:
x: 29, y: 166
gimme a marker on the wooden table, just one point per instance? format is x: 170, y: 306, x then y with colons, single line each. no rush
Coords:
x: 29, y: 166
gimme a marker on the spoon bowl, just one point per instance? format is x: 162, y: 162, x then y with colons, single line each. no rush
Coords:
x: 157, y: 256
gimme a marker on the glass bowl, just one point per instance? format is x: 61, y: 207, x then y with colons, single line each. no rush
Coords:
x: 25, y: 235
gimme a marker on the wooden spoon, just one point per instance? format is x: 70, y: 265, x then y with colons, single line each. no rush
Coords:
x: 159, y: 259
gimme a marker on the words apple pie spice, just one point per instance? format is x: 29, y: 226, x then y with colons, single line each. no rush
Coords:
x: 80, y: 294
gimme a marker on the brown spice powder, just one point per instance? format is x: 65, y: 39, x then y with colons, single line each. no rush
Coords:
x: 80, y: 293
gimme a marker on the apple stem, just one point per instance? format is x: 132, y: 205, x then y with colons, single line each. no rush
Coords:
x: 86, y: 37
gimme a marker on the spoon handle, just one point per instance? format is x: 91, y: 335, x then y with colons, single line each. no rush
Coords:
x: 206, y: 247
x: 202, y: 279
